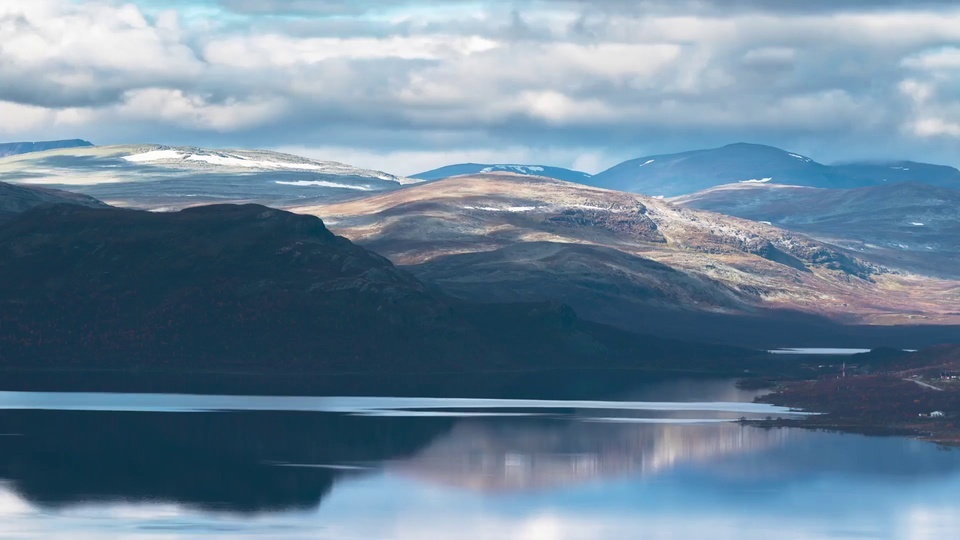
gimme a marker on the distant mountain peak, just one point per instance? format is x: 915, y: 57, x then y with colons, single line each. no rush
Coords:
x: 688, y: 172
x: 16, y: 148
x: 461, y: 169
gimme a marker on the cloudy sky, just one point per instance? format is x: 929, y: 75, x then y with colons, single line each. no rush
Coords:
x: 408, y: 85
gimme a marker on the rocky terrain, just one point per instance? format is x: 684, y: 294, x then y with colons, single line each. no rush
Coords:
x: 168, y: 178
x: 909, y: 226
x: 249, y: 289
x: 635, y: 261
x: 688, y: 172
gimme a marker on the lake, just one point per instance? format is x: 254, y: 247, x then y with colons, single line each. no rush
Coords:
x: 664, y: 460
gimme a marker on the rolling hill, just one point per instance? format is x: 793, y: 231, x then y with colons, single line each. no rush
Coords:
x: 245, y: 289
x: 170, y: 178
x: 910, y: 226
x: 625, y: 259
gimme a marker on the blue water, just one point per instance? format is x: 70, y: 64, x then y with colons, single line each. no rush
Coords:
x: 337, y: 468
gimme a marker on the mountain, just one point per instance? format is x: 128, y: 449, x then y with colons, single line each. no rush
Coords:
x: 900, y: 171
x: 17, y: 199
x: 170, y: 178
x: 672, y: 175
x: 15, y: 148
x: 244, y: 289
x: 461, y: 169
x: 911, y: 226
x: 637, y: 262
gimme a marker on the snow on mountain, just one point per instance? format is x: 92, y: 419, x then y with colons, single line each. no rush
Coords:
x: 165, y: 177
x: 689, y: 172
x: 558, y: 173
x: 245, y: 159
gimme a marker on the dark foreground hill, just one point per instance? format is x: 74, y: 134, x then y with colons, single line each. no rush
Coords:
x: 256, y: 290
x: 17, y: 199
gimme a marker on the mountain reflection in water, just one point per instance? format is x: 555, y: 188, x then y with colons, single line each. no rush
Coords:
x: 560, y: 474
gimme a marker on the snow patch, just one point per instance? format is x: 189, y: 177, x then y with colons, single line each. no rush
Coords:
x: 507, y: 209
x: 900, y: 168
x: 223, y: 159
x: 798, y: 156
x: 649, y: 161
x: 916, y: 224
x: 522, y: 169
x: 323, y: 183
x: 756, y: 181
x: 153, y: 155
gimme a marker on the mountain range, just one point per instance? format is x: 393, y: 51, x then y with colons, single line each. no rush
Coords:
x: 15, y: 148
x: 250, y: 289
x: 672, y: 175
x: 749, y: 262
x: 558, y: 173
x: 638, y: 262
x: 170, y: 178
x: 912, y: 226
x: 687, y: 172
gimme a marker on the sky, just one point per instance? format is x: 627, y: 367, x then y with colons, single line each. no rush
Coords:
x: 405, y: 86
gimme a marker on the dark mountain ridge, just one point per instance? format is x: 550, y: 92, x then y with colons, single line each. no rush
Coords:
x: 15, y: 148
x: 17, y: 199
x: 251, y: 289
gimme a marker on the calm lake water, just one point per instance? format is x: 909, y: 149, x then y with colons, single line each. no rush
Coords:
x: 664, y: 461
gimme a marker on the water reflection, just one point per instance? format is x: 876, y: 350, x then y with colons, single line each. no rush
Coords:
x: 563, y: 474
x: 496, y: 455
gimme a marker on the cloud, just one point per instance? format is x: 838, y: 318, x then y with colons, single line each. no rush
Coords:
x: 595, y: 78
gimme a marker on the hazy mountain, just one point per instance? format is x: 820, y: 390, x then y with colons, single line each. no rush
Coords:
x: 15, y: 148
x: 461, y: 169
x: 909, y: 225
x: 170, y: 178
x: 688, y: 172
x: 248, y: 289
x: 625, y: 259
x: 16, y: 199
x: 900, y: 171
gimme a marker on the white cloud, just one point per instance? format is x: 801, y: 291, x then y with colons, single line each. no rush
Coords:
x: 555, y: 74
x: 181, y: 109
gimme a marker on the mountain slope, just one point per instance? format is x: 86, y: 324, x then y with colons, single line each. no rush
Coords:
x: 878, y: 173
x: 248, y: 289
x: 461, y: 169
x: 621, y: 258
x: 170, y: 178
x: 17, y: 199
x: 688, y: 172
x: 911, y: 226
x: 15, y: 148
